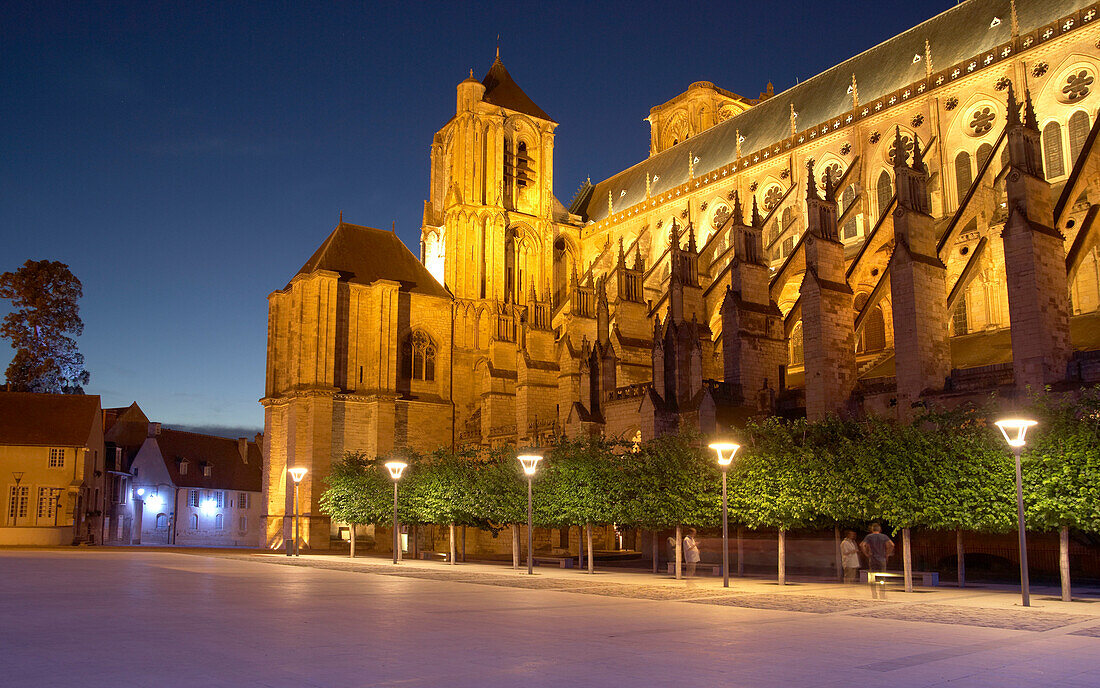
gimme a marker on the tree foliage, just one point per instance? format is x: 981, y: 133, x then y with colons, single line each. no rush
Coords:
x: 948, y: 470
x: 41, y: 327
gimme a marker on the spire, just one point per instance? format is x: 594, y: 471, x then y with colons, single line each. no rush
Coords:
x: 794, y: 116
x: 855, y: 92
x: 757, y: 221
x: 1030, y: 120
x: 691, y: 238
x: 1013, y: 106
x: 927, y: 58
x: 738, y: 211
x: 622, y: 256
x: 918, y: 156
x: 811, y: 185
x: 674, y: 235
x: 393, y: 227
x: 498, y: 49
x: 637, y: 256
x: 901, y: 155
x: 341, y: 217
x: 1015, y: 21
x: 738, y: 134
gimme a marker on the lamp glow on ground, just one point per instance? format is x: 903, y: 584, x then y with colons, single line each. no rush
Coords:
x: 1015, y: 431
x: 530, y: 463
x: 725, y: 452
x: 396, y: 468
x: 296, y: 474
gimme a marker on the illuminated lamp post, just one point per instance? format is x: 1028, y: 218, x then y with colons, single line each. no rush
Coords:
x: 530, y: 461
x: 725, y: 451
x: 296, y: 474
x: 1014, y: 430
x: 396, y: 468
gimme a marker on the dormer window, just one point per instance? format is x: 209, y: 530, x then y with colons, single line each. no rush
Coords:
x: 207, y: 470
x: 183, y: 466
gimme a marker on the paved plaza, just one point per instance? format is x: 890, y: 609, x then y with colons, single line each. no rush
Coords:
x: 133, y: 617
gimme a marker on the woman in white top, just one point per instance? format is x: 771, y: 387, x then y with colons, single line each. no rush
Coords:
x: 691, y: 552
x: 849, y: 556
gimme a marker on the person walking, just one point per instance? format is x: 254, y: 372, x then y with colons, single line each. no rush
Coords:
x: 691, y: 552
x: 877, y: 547
x: 849, y: 556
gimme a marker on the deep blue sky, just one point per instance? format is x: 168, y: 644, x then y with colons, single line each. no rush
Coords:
x: 185, y: 159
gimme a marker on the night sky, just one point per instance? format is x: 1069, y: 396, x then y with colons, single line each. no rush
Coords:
x: 186, y: 159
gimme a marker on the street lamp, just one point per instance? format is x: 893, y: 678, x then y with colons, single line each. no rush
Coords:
x: 725, y: 451
x: 396, y: 468
x: 1014, y: 430
x: 529, y: 461
x: 296, y: 474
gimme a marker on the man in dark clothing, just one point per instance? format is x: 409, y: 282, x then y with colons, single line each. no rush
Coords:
x: 877, y: 547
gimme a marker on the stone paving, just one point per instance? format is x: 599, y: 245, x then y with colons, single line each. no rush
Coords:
x: 139, y: 617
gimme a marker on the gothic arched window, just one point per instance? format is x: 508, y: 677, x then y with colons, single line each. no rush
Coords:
x: 1078, y: 132
x: 884, y: 191
x: 873, y: 335
x: 418, y: 357
x: 985, y: 151
x: 849, y: 197
x: 797, y: 354
x: 1053, y: 162
x: 964, y: 176
x: 524, y: 173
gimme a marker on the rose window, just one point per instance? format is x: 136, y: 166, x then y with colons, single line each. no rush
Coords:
x: 721, y: 214
x: 1077, y: 86
x: 832, y: 175
x: 771, y: 198
x: 982, y: 121
x: 906, y: 147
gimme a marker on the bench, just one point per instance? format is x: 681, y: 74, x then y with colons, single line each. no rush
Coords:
x: 560, y: 562
x: 928, y: 579
x: 701, y: 567
x: 432, y: 556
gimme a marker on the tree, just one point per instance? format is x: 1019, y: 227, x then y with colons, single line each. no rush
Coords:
x: 44, y: 319
x: 359, y: 492
x: 1061, y: 470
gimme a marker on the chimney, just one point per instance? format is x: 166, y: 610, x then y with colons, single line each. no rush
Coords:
x: 154, y: 429
x: 242, y: 448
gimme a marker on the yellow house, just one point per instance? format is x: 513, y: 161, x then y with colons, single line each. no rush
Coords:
x: 51, y: 463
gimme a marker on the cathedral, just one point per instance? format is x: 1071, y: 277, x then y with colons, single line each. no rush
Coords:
x: 914, y: 225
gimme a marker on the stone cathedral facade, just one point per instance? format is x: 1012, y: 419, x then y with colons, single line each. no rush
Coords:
x: 915, y: 224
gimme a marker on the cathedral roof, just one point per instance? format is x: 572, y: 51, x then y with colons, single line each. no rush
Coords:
x: 954, y: 35
x: 363, y: 255
x: 503, y: 91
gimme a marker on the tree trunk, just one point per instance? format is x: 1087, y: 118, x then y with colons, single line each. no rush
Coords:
x: 656, y: 552
x: 907, y: 559
x: 463, y: 544
x: 591, y: 559
x: 1063, y: 563
x: 782, y: 556
x: 515, y: 545
x: 454, y: 546
x: 352, y: 554
x: 580, y: 545
x: 740, y: 552
x: 960, y: 556
x: 839, y: 558
x: 679, y: 552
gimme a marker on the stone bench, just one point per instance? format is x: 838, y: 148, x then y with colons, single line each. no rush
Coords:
x: 701, y: 567
x: 928, y: 579
x: 560, y: 562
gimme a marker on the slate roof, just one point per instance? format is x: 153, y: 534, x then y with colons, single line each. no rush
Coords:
x: 228, y: 470
x: 503, y: 91
x: 59, y: 420
x: 954, y: 35
x: 363, y: 255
